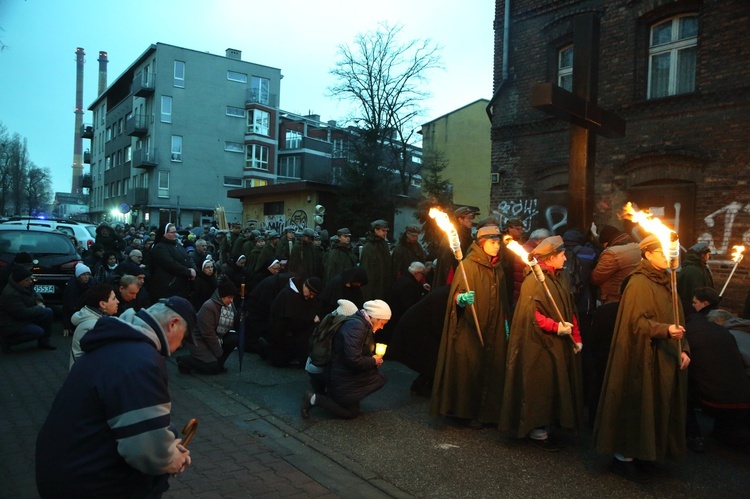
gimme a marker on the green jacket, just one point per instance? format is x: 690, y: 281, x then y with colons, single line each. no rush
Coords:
x: 693, y: 275
x: 543, y: 377
x: 376, y: 260
x: 644, y: 395
x: 468, y: 378
x: 339, y: 259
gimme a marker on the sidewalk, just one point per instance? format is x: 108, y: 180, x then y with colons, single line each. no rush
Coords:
x: 239, y: 450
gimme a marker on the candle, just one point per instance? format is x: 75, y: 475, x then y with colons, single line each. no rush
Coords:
x: 380, y: 349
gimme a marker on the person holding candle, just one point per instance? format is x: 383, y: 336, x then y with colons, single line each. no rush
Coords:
x: 543, y: 384
x: 643, y: 403
x: 471, y: 363
x: 353, y: 372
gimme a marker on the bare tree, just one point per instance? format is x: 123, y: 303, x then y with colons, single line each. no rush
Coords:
x: 24, y: 187
x: 38, y: 189
x: 385, y: 78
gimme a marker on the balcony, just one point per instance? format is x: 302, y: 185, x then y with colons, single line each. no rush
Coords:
x: 144, y: 158
x: 137, y: 196
x: 143, y: 85
x: 253, y: 97
x: 136, y: 126
x: 87, y: 157
x: 86, y: 181
x: 87, y: 131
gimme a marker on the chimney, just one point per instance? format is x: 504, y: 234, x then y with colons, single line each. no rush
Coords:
x: 234, y: 54
x: 77, y: 139
x: 102, y: 71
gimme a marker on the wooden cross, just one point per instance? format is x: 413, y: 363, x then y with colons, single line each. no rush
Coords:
x: 587, y: 119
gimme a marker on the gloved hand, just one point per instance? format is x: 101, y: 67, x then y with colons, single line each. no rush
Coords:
x: 578, y: 347
x: 465, y: 299
x: 564, y: 328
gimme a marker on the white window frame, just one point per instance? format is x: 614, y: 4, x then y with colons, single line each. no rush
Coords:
x: 284, y: 166
x: 236, y: 147
x: 166, y: 109
x: 293, y: 139
x: 259, y: 122
x: 256, y: 157
x: 176, y: 149
x: 179, y: 74
x: 163, y: 184
x: 565, y: 72
x: 260, y: 90
x: 235, y: 76
x: 233, y: 182
x: 236, y: 112
x: 673, y: 48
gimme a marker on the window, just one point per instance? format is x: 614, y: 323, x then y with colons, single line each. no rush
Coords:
x: 258, y: 122
x: 416, y: 182
x: 289, y: 166
x: 672, y: 55
x: 255, y: 182
x: 179, y: 74
x: 338, y: 148
x: 109, y: 133
x: 125, y: 186
x: 239, y: 112
x: 176, y: 148
x: 256, y: 157
x: 259, y: 90
x: 232, y: 181
x: 163, y: 184
x: 273, y: 208
x: 108, y: 162
x: 128, y: 154
x: 119, y: 126
x: 234, y: 147
x: 118, y: 188
x: 166, y: 109
x: 293, y: 139
x: 234, y: 76
x: 565, y: 68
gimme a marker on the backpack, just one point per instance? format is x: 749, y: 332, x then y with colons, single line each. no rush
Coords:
x: 573, y: 268
x: 322, y: 338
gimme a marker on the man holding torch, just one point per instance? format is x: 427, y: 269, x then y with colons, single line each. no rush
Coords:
x: 543, y: 378
x: 642, y: 409
x: 471, y: 363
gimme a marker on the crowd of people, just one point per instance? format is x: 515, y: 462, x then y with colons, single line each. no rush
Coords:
x: 586, y: 332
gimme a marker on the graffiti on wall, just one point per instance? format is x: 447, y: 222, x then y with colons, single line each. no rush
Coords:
x: 724, y: 237
x: 298, y: 220
x: 525, y: 209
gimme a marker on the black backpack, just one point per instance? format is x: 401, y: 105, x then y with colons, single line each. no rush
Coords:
x: 573, y: 269
x: 322, y: 338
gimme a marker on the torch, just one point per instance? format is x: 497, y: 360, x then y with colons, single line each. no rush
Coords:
x: 737, y: 254
x: 442, y: 221
x: 670, y: 245
x: 189, y: 431
x: 516, y: 248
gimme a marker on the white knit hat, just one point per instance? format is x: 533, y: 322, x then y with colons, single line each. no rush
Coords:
x: 346, y: 308
x: 81, y: 269
x: 378, y: 309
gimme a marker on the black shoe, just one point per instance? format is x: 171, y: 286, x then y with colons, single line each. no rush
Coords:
x: 696, y: 444
x: 628, y: 470
x: 304, y: 409
x: 46, y: 346
x: 548, y: 444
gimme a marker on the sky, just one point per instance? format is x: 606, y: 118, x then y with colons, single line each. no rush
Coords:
x: 301, y: 37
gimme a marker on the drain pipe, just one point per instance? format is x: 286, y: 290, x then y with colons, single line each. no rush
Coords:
x: 506, y: 50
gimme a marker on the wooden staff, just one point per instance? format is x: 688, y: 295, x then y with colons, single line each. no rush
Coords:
x: 189, y: 431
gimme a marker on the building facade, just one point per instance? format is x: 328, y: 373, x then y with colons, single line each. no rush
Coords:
x: 176, y: 131
x: 677, y: 73
x: 462, y: 138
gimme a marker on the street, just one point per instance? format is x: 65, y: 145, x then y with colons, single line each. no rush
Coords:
x: 251, y: 442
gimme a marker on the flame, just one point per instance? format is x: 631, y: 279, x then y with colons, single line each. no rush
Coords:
x: 737, y: 253
x: 669, y: 241
x: 516, y: 248
x: 442, y: 221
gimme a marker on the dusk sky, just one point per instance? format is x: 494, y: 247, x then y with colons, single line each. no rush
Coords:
x: 300, y: 37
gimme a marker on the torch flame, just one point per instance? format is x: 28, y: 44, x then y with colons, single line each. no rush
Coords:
x: 516, y: 248
x: 668, y: 238
x: 737, y: 252
x: 442, y: 221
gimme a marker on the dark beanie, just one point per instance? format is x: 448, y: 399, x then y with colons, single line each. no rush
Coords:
x: 607, y: 233
x: 20, y: 273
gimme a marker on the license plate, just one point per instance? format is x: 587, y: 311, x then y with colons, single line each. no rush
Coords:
x: 44, y: 289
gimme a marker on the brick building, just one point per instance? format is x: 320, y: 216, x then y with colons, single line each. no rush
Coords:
x: 677, y: 72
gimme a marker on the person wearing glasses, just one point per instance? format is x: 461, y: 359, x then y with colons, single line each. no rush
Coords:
x: 169, y: 265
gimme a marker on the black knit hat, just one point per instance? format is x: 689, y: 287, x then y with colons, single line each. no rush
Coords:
x: 20, y: 273
x: 607, y: 234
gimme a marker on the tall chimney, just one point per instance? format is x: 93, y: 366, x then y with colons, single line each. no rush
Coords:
x: 77, y: 140
x: 102, y: 71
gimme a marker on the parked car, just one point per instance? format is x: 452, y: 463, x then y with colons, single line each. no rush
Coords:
x: 53, y: 255
x: 85, y: 233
